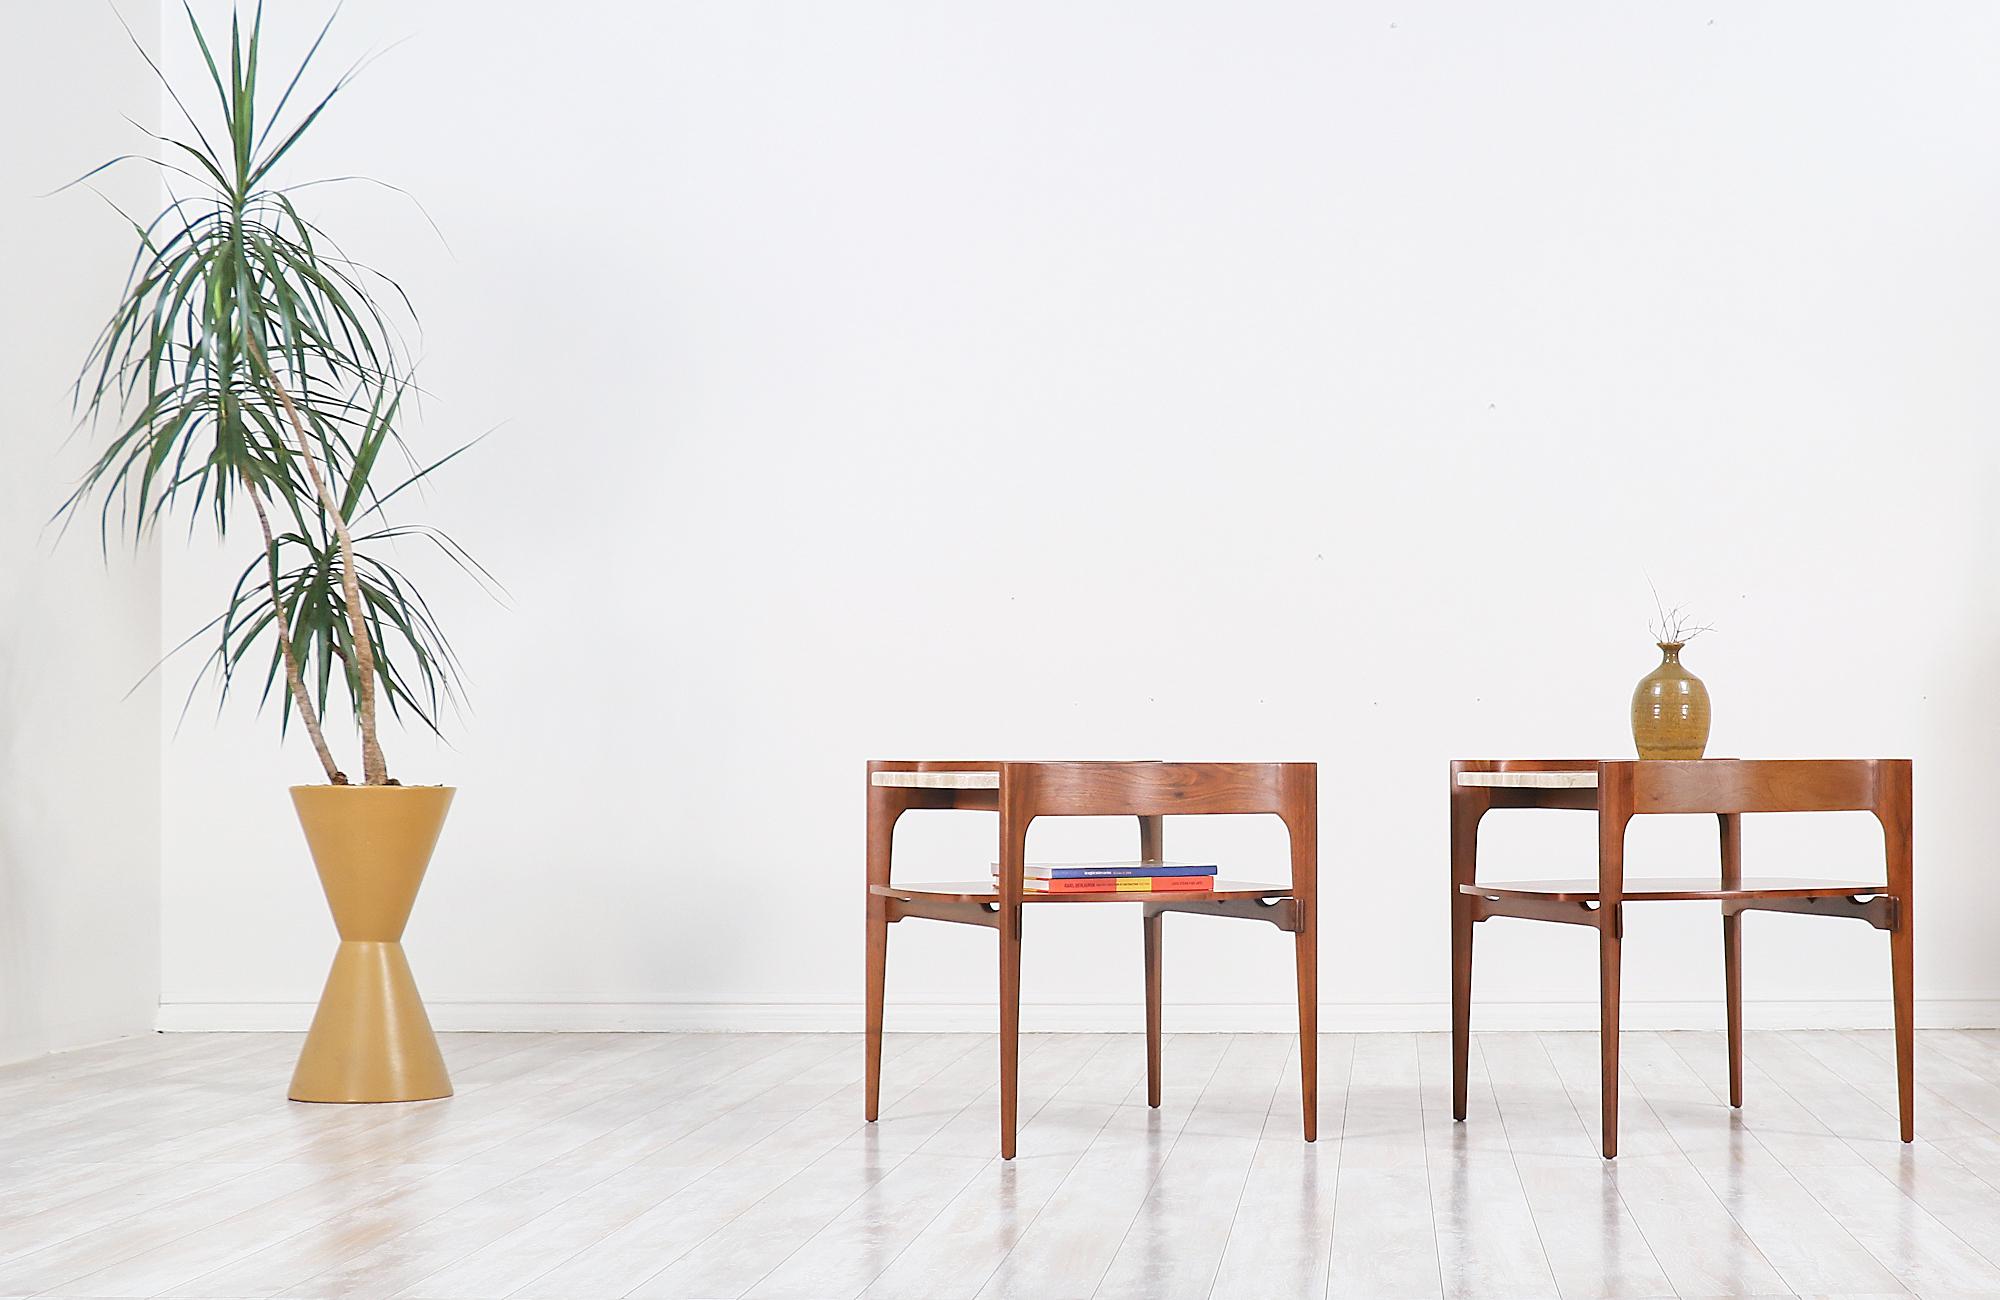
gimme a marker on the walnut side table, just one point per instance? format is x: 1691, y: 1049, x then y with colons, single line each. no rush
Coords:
x: 1725, y: 787
x: 1151, y: 792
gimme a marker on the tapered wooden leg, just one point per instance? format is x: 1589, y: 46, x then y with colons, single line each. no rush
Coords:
x: 1731, y: 826
x: 1010, y: 1026
x: 1468, y: 806
x: 1155, y: 929
x: 1461, y: 1000
x: 1300, y: 813
x: 1732, y: 985
x: 1306, y: 942
x: 884, y: 810
x: 1607, y: 1031
x: 878, y: 969
x: 1893, y: 810
x: 1902, y: 964
x: 1152, y: 848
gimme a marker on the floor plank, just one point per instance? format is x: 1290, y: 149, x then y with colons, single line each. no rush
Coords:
x: 1384, y: 1232
x: 959, y: 1249
x: 1594, y: 1246
x: 1282, y: 1230
x: 1487, y: 1241
x: 1176, y: 1242
x: 1071, y: 1243
x: 1806, y: 1246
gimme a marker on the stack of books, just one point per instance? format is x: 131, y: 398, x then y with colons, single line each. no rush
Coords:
x: 1115, y: 877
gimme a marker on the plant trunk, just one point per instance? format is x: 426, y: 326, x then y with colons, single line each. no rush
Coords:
x: 374, y: 769
x: 282, y: 616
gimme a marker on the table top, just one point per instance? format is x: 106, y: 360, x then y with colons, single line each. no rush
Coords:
x: 1723, y: 786
x: 937, y: 780
x: 1098, y: 788
x: 1531, y: 780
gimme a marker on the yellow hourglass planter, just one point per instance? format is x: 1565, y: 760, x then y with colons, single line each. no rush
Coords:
x: 371, y: 1039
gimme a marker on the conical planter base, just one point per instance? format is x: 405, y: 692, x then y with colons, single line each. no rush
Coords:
x: 370, y: 1039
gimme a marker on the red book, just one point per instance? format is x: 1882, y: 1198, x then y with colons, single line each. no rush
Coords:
x: 1122, y: 885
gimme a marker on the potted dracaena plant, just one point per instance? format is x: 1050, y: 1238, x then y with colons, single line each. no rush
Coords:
x: 252, y: 370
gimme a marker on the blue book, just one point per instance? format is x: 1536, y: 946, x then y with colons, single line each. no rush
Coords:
x: 1109, y: 870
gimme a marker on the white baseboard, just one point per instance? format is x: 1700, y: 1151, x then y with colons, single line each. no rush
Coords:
x: 1088, y: 1017
x: 68, y: 1036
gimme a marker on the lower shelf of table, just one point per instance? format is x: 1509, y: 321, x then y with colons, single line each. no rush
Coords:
x: 984, y: 891
x: 1674, y: 889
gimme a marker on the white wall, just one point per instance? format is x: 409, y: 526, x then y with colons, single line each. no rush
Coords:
x: 79, y: 762
x: 1273, y: 380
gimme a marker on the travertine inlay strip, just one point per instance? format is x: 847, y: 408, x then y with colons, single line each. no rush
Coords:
x: 1532, y: 780
x: 939, y: 780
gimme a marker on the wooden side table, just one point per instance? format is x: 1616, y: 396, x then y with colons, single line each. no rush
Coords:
x: 1726, y: 787
x: 1151, y: 792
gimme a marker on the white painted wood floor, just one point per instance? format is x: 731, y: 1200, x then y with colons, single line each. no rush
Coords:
x: 711, y: 1165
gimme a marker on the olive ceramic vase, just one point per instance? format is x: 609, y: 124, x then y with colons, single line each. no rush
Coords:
x: 1670, y: 709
